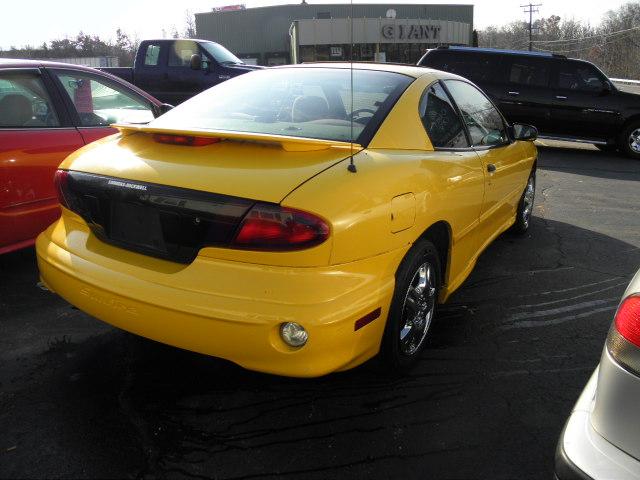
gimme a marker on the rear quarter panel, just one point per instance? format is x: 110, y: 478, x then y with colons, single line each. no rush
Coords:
x: 445, y: 187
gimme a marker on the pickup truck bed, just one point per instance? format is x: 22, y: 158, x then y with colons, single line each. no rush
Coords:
x: 126, y: 73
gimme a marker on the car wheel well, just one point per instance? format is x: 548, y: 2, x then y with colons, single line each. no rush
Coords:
x: 440, y: 235
x: 622, y: 141
x: 629, y: 121
x: 625, y: 125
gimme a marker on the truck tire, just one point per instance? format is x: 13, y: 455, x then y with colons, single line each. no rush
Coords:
x: 629, y: 140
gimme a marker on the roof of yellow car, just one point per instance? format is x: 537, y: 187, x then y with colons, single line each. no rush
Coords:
x: 410, y: 70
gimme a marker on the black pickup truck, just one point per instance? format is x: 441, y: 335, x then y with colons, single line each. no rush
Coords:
x: 173, y: 70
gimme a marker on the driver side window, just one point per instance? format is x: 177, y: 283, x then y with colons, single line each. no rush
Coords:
x: 579, y: 76
x: 484, y: 122
x: 180, y: 54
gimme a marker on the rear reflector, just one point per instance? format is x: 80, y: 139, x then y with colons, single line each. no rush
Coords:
x: 628, y: 319
x: 272, y: 227
x: 60, y: 180
x: 185, y: 140
x: 368, y: 318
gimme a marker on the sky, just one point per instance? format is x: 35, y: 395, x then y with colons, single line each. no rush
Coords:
x: 44, y: 20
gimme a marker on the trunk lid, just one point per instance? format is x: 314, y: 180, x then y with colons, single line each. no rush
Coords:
x: 254, y: 166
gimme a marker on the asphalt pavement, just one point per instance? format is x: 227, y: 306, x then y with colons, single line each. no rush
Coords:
x: 509, y: 355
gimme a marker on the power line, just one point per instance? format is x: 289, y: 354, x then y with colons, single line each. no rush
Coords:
x: 579, y: 39
x: 531, y: 10
x: 627, y: 37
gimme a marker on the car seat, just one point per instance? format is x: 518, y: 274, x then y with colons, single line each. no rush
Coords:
x: 15, y: 110
x: 308, y: 108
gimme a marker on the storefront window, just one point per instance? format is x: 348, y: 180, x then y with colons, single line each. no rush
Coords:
x: 366, y: 52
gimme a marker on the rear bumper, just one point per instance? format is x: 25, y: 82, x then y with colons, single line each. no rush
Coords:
x: 225, y: 309
x: 583, y: 454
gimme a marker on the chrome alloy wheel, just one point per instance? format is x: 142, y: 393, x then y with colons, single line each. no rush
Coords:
x: 527, y: 199
x: 417, y: 310
x: 634, y: 141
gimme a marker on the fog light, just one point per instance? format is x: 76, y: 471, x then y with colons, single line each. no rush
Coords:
x: 293, y: 334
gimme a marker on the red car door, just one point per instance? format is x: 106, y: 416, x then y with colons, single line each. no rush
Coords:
x: 35, y: 136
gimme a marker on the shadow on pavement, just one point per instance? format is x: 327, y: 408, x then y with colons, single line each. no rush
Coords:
x: 507, y: 359
x: 593, y: 163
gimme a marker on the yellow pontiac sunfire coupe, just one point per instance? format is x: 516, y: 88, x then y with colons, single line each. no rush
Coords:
x: 293, y: 220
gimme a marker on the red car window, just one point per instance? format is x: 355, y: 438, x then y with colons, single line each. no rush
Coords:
x: 24, y: 102
x: 100, y: 102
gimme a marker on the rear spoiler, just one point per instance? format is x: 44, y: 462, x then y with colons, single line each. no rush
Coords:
x: 291, y: 144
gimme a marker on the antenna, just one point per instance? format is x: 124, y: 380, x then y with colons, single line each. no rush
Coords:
x: 352, y: 166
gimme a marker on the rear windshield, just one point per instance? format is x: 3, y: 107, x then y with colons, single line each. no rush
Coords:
x: 299, y: 102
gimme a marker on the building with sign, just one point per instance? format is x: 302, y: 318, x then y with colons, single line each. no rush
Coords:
x: 323, y: 32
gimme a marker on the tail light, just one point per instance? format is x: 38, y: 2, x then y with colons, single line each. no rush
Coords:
x: 185, y: 140
x: 272, y: 227
x: 623, y: 341
x: 61, y: 180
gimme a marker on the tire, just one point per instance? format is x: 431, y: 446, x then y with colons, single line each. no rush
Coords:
x: 607, y: 148
x: 525, y: 207
x: 412, y: 308
x: 629, y: 140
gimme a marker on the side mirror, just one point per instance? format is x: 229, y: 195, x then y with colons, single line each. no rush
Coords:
x: 163, y: 108
x: 196, y: 62
x: 521, y: 131
x: 607, y: 87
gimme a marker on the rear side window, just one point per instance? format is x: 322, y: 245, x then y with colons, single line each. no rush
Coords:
x: 99, y: 102
x: 152, y: 55
x: 483, y: 120
x: 579, y: 76
x: 529, y: 72
x: 24, y: 102
x: 441, y: 120
x: 477, y: 67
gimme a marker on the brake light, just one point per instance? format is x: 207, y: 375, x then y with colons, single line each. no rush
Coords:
x: 185, y: 140
x: 627, y: 320
x: 61, y: 180
x: 272, y: 227
x: 623, y: 341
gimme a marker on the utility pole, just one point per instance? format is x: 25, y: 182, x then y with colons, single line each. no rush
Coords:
x: 531, y: 9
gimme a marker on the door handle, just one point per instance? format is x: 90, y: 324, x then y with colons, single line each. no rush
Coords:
x: 491, y: 168
x: 561, y: 97
x: 514, y: 94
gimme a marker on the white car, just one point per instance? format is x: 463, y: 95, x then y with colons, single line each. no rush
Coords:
x: 601, y: 439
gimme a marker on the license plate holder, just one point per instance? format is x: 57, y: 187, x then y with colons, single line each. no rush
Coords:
x: 137, y: 225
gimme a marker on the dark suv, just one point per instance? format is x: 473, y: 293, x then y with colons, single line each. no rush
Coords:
x: 566, y: 99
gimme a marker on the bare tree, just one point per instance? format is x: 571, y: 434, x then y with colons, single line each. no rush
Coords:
x: 190, y: 24
x: 613, y: 45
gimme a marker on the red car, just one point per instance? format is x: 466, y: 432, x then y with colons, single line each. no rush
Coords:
x: 48, y: 110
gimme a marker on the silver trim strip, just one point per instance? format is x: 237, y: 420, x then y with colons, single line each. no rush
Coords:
x: 571, y: 139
